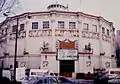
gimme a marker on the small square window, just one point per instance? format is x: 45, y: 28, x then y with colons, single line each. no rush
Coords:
x: 103, y: 30
x: 60, y: 24
x: 85, y: 26
x: 94, y: 28
x: 6, y: 31
x: 2, y: 31
x: 108, y: 32
x: 45, y: 24
x: 72, y: 25
x: 34, y: 25
x: 22, y: 27
x: 14, y: 27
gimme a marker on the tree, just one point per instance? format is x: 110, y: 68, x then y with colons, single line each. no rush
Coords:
x: 7, y: 5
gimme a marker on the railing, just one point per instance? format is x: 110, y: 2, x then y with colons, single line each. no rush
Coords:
x: 67, y: 32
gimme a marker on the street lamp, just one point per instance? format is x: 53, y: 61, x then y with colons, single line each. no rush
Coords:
x: 16, y: 37
x: 15, y: 62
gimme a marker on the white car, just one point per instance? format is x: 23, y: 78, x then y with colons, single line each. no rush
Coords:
x: 24, y: 80
x: 41, y: 72
x: 115, y: 80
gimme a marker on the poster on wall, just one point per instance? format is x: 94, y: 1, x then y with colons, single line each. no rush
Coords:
x: 67, y: 54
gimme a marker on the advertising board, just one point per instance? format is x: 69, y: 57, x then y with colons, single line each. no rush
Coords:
x: 67, y: 54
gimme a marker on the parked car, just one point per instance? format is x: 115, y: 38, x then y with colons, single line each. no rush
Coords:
x: 26, y: 80
x: 41, y: 72
x: 115, y: 80
x: 54, y: 80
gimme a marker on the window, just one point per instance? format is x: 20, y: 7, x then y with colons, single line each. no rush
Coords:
x: 103, y: 30
x: 33, y: 73
x: 85, y: 26
x: 45, y: 24
x: 14, y: 27
x: 60, y: 24
x: 53, y: 80
x: 111, y: 72
x: 117, y: 72
x: 22, y: 27
x: 40, y: 81
x: 45, y: 81
x: 72, y: 25
x: 94, y: 28
x: 2, y: 31
x: 6, y: 31
x: 34, y: 25
x: 51, y: 74
x: 108, y: 32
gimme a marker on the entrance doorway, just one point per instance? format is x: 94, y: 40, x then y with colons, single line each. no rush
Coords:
x: 67, y: 67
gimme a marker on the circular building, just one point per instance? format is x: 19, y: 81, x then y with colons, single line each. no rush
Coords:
x: 58, y: 40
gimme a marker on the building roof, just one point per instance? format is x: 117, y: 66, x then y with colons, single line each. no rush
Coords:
x: 63, y: 12
x: 57, y: 6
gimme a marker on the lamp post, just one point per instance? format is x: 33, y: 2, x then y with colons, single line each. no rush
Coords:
x: 16, y: 37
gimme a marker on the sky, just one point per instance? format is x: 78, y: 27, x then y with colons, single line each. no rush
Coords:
x: 109, y: 9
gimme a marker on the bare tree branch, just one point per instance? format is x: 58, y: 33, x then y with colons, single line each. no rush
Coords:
x: 2, y: 4
x: 7, y: 5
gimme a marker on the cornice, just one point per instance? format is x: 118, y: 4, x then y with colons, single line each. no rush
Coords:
x: 62, y: 12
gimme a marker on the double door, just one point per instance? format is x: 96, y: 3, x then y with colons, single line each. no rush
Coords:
x: 67, y: 67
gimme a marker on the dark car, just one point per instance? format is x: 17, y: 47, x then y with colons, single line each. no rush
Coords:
x: 54, y: 80
x: 5, y: 80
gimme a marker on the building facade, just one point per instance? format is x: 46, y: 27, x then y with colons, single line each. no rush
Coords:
x: 59, y: 40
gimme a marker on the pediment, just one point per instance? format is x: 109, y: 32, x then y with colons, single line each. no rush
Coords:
x: 66, y: 44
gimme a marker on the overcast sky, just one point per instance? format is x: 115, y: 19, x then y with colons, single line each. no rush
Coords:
x: 109, y: 9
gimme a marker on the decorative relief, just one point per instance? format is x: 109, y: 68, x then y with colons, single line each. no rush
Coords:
x: 67, y: 44
x: 91, y: 35
x: 21, y: 34
x: 69, y: 33
x: 106, y: 38
x: 45, y: 63
x: 88, y: 48
x: 12, y: 36
x: 45, y: 47
x: 107, y: 64
x: 57, y: 44
x: 39, y: 33
x: 88, y: 63
x: 23, y: 64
